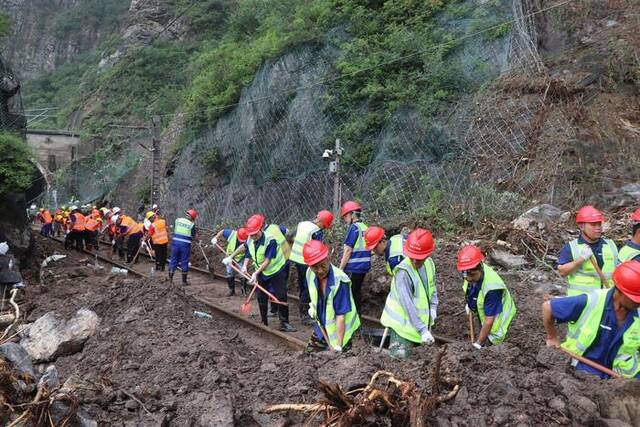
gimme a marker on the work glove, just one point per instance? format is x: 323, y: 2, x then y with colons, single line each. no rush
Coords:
x: 586, y: 252
x: 226, y: 261
x: 467, y: 309
x: 243, y: 269
x: 337, y: 349
x: 113, y: 243
x: 477, y: 346
x: 254, y: 278
x: 427, y: 338
x: 214, y: 241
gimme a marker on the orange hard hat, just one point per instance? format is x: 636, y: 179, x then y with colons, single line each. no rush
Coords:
x: 419, y: 244
x: 325, y: 218
x: 627, y: 279
x: 242, y: 235
x: 192, y: 213
x: 372, y: 237
x: 635, y: 216
x: 254, y: 224
x: 469, y: 257
x: 350, y: 206
x: 314, y: 251
x: 589, y: 214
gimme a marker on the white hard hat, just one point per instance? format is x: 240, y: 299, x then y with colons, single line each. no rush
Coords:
x: 115, y: 210
x: 114, y: 218
x: 73, y: 207
x: 33, y: 206
x: 4, y: 248
x: 154, y: 206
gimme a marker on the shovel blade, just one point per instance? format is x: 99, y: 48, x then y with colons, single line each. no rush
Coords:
x: 245, y: 308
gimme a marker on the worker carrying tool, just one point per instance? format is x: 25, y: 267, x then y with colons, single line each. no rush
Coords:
x: 159, y: 235
x: 331, y: 302
x: 411, y: 307
x: 235, y: 239
x: 356, y: 260
x: 631, y: 249
x: 305, y: 232
x: 588, y: 261
x: 486, y: 297
x: 76, y: 226
x: 264, y: 249
x: 606, y: 325
x: 44, y: 216
x: 184, y: 231
x: 376, y: 241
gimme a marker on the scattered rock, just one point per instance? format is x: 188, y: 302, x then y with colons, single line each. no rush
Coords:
x: 627, y: 195
x: 131, y: 405
x: 583, y: 410
x: 219, y: 413
x: 50, y: 337
x: 18, y: 357
x: 50, y: 379
x: 508, y: 260
x: 558, y: 404
x: 540, y: 217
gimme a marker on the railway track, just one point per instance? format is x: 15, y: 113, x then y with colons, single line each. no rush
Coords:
x: 210, y: 289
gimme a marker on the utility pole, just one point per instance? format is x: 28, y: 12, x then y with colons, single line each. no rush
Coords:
x: 334, y: 167
x: 155, y: 155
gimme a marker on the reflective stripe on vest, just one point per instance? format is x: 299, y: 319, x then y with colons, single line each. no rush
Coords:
x: 396, y: 249
x: 274, y: 230
x: 258, y: 255
x: 182, y: 230
x: 303, y: 234
x: 360, y: 258
x: 395, y: 316
x: 160, y: 235
x: 586, y: 328
x: 585, y: 278
x: 492, y: 282
x: 78, y: 224
x: 628, y: 253
x: 232, y: 245
x: 351, y: 319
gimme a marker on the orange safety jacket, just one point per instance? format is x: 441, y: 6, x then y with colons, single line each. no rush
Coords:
x: 127, y: 222
x: 136, y: 228
x: 80, y: 219
x: 46, y: 215
x: 95, y: 214
x: 158, y: 232
x: 92, y: 224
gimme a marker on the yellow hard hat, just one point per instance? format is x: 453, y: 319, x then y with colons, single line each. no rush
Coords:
x: 149, y: 214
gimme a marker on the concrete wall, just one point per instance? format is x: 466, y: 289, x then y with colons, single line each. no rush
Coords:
x: 55, y: 149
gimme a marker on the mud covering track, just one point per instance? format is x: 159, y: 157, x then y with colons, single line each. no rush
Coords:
x: 192, y: 371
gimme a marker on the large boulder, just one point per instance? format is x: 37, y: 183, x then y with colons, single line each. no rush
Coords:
x: 508, y: 260
x: 18, y: 357
x: 540, y: 217
x: 50, y: 337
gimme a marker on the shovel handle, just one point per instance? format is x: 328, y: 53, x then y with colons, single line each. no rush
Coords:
x: 257, y: 285
x: 324, y: 333
x: 603, y: 279
x: 472, y: 335
x: 591, y: 363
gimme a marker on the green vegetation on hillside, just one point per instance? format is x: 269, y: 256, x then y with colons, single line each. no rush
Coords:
x: 16, y: 169
x: 5, y: 24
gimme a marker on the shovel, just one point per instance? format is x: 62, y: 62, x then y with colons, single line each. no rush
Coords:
x: 591, y: 363
x: 472, y: 335
x: 246, y: 307
x: 206, y: 259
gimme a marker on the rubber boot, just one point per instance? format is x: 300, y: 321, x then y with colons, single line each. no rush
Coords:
x: 243, y: 287
x: 184, y: 279
x: 283, y: 314
x: 264, y: 308
x: 171, y: 273
x: 231, y: 282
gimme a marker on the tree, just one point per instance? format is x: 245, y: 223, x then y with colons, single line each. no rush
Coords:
x: 16, y: 169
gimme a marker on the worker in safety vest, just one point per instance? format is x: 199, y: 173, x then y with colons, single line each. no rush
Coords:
x: 607, y: 324
x: 124, y: 225
x: 306, y: 231
x: 411, y: 307
x: 356, y: 260
x: 44, y: 216
x: 159, y: 236
x: 184, y: 231
x: 486, y: 296
x: 235, y: 239
x: 331, y: 302
x: 264, y: 249
x: 57, y: 222
x: 91, y: 228
x: 577, y: 258
x: 76, y: 226
x: 376, y: 241
x: 631, y: 249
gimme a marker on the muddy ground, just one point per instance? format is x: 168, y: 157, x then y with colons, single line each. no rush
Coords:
x: 193, y: 371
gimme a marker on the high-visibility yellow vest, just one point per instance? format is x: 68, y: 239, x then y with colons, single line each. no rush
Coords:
x: 585, y: 331
x: 257, y: 254
x: 232, y: 246
x: 492, y: 282
x: 585, y: 279
x: 396, y: 249
x: 627, y: 253
x: 351, y: 319
x: 303, y: 234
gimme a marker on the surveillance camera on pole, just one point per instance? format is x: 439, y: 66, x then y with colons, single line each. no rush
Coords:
x: 333, y: 157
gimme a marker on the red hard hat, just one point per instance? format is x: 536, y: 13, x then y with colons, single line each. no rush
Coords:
x: 589, y: 214
x: 192, y: 213
x: 350, y: 206
x: 242, y: 235
x: 419, y: 244
x: 254, y: 224
x: 627, y: 279
x: 314, y: 251
x: 635, y: 216
x: 469, y: 257
x: 325, y: 218
x: 372, y: 237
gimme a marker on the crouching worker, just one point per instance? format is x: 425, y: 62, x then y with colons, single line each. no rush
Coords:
x: 604, y: 324
x: 411, y: 305
x: 332, y: 306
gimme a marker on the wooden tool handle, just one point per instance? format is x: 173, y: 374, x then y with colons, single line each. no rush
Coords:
x: 603, y: 279
x: 591, y: 363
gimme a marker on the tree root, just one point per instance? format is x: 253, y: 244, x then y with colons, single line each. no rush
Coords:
x: 384, y: 397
